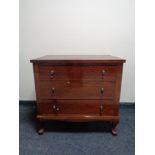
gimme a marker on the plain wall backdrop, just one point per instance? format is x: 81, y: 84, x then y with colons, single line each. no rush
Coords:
x: 76, y: 27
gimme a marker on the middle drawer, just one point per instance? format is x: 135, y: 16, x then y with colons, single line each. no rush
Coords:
x: 77, y: 89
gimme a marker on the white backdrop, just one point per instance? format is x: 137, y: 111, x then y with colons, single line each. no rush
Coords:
x: 76, y: 27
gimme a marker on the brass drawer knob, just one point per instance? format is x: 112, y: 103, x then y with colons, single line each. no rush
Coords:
x: 101, y: 109
x: 103, y: 72
x: 54, y: 106
x: 68, y: 82
x: 52, y: 72
x: 102, y: 90
x: 53, y: 90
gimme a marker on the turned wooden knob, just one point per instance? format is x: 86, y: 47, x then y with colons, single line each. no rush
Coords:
x: 101, y: 107
x: 53, y: 90
x: 54, y: 106
x: 52, y: 72
x: 68, y: 82
x: 103, y: 72
x: 102, y: 90
x: 57, y: 109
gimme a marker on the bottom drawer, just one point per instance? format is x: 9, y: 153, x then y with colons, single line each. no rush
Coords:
x: 87, y: 107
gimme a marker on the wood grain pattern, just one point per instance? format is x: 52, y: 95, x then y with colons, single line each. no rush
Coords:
x: 91, y: 107
x: 78, y: 72
x: 77, y: 90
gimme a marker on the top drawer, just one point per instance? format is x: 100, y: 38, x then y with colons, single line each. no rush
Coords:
x: 108, y: 73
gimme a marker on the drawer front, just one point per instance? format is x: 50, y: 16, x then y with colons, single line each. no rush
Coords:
x: 87, y: 107
x: 106, y: 73
x: 77, y: 90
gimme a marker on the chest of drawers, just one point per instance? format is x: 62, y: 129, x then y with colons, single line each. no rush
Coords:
x: 78, y: 88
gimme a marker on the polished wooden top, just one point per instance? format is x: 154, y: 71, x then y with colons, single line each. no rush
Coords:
x: 102, y: 58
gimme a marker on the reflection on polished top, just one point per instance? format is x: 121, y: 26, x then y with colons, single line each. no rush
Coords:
x: 79, y: 58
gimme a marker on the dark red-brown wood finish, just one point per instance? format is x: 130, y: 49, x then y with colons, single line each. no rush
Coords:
x: 78, y: 88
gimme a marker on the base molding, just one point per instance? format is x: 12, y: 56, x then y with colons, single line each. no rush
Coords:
x: 77, y: 118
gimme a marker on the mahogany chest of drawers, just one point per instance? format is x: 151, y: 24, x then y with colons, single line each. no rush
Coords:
x: 78, y: 88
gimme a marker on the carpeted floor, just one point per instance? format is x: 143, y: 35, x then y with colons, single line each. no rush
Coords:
x: 77, y: 138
